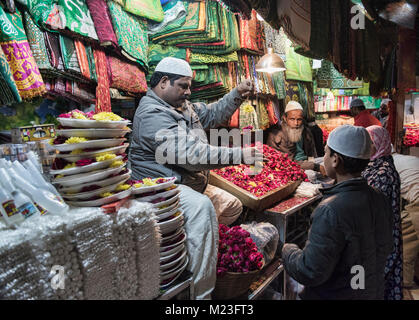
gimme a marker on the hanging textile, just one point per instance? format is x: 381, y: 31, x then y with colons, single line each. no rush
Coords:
x: 9, y: 92
x: 82, y: 58
x: 248, y: 116
x: 19, y: 55
x: 262, y: 114
x: 102, y: 22
x: 69, y: 54
x: 276, y: 38
x: 295, y: 17
x: 37, y: 43
x: 126, y: 76
x: 250, y: 30
x: 150, y: 9
x: 39, y: 10
x: 131, y: 33
x: 53, y: 49
x: 91, y: 60
x: 103, y: 96
x: 156, y: 52
x: 328, y: 77
x: 174, y: 11
x: 298, y: 67
x: 270, y: 108
x: 267, y: 10
x: 76, y: 17
x: 195, y: 21
x: 201, y: 58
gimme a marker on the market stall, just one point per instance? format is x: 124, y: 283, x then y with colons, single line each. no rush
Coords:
x: 72, y: 74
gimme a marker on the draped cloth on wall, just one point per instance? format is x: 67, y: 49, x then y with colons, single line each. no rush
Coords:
x: 69, y: 54
x: 53, y: 49
x: 328, y: 77
x: 17, y: 51
x: 174, y: 12
x: 76, y: 17
x: 131, y: 33
x: 102, y: 22
x: 295, y: 17
x: 9, y: 92
x: 37, y: 43
x: 298, y: 66
x: 103, y: 96
x: 250, y: 31
x: 156, y: 52
x: 82, y: 59
x: 126, y: 76
x: 150, y: 9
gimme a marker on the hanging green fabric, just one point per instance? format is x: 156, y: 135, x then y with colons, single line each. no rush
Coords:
x: 156, y: 52
x: 37, y: 43
x: 298, y: 67
x: 76, y: 17
x: 91, y: 60
x: 69, y: 54
x: 328, y: 77
x: 202, y: 58
x: 174, y: 16
x: 39, y: 10
x: 150, y: 9
x: 131, y: 32
x: 279, y: 83
x: 8, y: 90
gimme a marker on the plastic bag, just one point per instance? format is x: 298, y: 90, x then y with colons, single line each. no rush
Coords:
x: 266, y: 237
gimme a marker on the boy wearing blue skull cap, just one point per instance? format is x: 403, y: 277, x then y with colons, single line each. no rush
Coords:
x: 351, y: 231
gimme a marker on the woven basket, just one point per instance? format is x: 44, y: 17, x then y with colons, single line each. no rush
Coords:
x: 233, y: 284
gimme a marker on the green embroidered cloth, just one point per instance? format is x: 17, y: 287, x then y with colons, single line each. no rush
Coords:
x: 298, y: 67
x: 69, y: 54
x: 156, y: 52
x: 91, y: 60
x: 150, y: 9
x: 202, y: 58
x: 39, y: 10
x: 131, y: 32
x: 37, y: 43
x: 8, y: 90
x: 76, y: 17
x: 174, y: 16
x: 328, y: 77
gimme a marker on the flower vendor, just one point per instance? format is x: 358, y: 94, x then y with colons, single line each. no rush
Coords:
x: 351, y: 227
x: 168, y: 139
x: 294, y: 138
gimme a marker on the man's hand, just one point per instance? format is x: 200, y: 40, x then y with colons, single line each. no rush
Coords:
x: 246, y: 88
x: 251, y: 155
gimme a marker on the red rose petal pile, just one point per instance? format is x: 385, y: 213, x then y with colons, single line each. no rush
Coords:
x: 236, y: 251
x: 325, y: 135
x: 278, y: 170
x: 411, y: 137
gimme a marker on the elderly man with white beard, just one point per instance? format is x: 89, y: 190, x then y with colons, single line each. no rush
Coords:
x: 293, y: 138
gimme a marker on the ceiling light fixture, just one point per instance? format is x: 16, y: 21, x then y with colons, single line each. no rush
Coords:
x: 270, y: 62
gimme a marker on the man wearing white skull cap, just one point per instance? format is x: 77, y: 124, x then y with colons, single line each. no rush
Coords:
x: 351, y: 230
x: 168, y: 139
x: 294, y: 138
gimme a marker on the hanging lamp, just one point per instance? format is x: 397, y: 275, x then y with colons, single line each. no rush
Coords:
x: 270, y: 62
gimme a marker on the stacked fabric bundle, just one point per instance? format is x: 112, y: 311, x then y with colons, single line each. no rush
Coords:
x: 90, y: 168
x: 164, y: 198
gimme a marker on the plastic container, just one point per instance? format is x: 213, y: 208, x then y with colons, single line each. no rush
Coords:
x: 38, y: 179
x: 45, y: 198
x: 9, y: 211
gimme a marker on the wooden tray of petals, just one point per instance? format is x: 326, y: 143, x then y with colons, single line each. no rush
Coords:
x: 248, y: 199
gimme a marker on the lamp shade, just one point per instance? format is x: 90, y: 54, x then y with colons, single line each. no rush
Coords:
x: 270, y: 63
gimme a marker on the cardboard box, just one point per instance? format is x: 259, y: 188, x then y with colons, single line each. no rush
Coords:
x: 33, y: 133
x: 248, y: 199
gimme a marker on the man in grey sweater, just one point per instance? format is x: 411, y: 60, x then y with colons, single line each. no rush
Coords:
x: 168, y: 139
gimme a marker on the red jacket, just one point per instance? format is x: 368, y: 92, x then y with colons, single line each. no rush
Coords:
x: 366, y: 119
